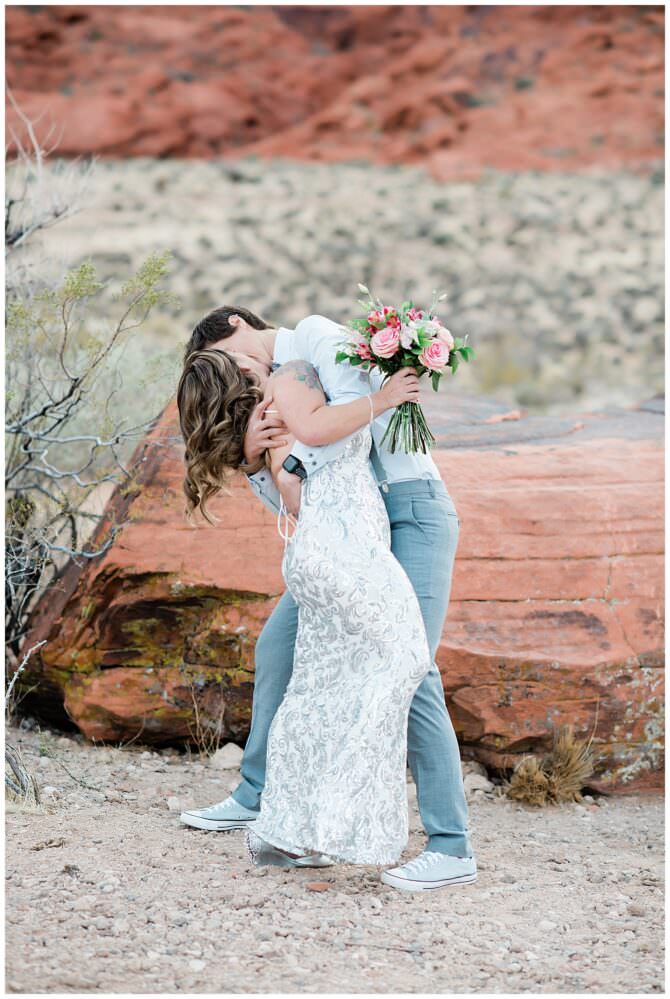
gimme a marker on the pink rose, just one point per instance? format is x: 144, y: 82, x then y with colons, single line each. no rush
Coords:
x: 435, y: 356
x: 445, y: 336
x: 386, y: 342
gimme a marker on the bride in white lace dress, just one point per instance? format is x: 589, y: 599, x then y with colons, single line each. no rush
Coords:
x: 336, y: 761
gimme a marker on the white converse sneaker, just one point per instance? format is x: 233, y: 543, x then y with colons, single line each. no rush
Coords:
x: 224, y: 815
x: 432, y: 870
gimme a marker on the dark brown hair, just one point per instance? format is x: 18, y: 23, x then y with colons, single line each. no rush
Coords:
x: 215, y: 326
x: 215, y: 400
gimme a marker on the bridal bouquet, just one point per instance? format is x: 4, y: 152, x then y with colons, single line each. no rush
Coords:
x: 389, y: 339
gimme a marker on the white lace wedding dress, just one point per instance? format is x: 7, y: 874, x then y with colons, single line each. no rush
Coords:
x: 335, y: 780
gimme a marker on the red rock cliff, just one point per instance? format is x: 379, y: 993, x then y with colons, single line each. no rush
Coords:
x: 457, y: 88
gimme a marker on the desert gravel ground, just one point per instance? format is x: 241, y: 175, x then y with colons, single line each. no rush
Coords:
x: 107, y: 892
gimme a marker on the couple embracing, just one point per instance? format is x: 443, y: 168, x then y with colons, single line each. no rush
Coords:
x: 346, y: 687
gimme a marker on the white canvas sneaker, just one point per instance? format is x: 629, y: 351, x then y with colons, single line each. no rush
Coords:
x: 432, y: 870
x: 224, y: 815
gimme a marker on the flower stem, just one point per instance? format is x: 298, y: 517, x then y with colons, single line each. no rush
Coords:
x: 408, y: 430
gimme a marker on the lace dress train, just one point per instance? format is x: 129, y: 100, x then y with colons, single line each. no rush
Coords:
x: 336, y: 758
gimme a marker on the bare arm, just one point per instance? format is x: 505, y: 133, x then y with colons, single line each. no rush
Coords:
x: 301, y: 403
x: 289, y: 485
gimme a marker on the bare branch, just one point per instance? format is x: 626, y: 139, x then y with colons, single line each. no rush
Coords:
x: 20, y: 670
x: 44, y: 201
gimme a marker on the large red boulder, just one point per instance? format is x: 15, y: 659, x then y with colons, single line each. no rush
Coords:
x: 556, y: 609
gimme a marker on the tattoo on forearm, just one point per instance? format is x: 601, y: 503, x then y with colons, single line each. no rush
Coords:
x: 302, y: 371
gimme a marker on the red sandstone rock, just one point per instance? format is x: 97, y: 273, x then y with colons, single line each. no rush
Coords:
x: 455, y: 88
x: 556, y: 608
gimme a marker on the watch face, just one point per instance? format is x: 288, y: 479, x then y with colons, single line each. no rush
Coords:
x: 294, y: 465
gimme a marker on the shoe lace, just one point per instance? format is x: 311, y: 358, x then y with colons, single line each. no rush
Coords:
x: 219, y: 804
x: 423, y: 861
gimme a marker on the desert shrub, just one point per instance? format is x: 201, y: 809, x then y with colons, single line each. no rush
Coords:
x: 70, y: 435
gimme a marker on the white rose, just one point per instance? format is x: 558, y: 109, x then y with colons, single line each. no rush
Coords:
x: 408, y: 334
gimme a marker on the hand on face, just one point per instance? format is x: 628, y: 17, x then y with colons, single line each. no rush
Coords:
x: 265, y: 430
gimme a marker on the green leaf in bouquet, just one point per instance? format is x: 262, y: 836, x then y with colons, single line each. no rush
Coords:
x: 341, y: 355
x: 435, y: 379
x: 453, y: 362
x: 465, y: 352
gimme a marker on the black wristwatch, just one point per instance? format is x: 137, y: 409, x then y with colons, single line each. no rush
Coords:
x: 295, y: 466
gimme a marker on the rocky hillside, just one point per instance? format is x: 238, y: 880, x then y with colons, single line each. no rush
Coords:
x: 454, y: 88
x: 556, y: 277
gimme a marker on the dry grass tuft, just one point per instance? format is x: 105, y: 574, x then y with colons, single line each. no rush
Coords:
x: 556, y: 777
x: 206, y: 732
x: 529, y: 782
x: 21, y: 788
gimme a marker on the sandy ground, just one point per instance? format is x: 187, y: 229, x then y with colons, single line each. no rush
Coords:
x: 107, y: 892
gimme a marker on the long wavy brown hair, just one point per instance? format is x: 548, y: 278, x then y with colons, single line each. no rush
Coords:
x: 215, y: 400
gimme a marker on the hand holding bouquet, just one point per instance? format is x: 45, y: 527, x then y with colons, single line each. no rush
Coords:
x: 407, y: 337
